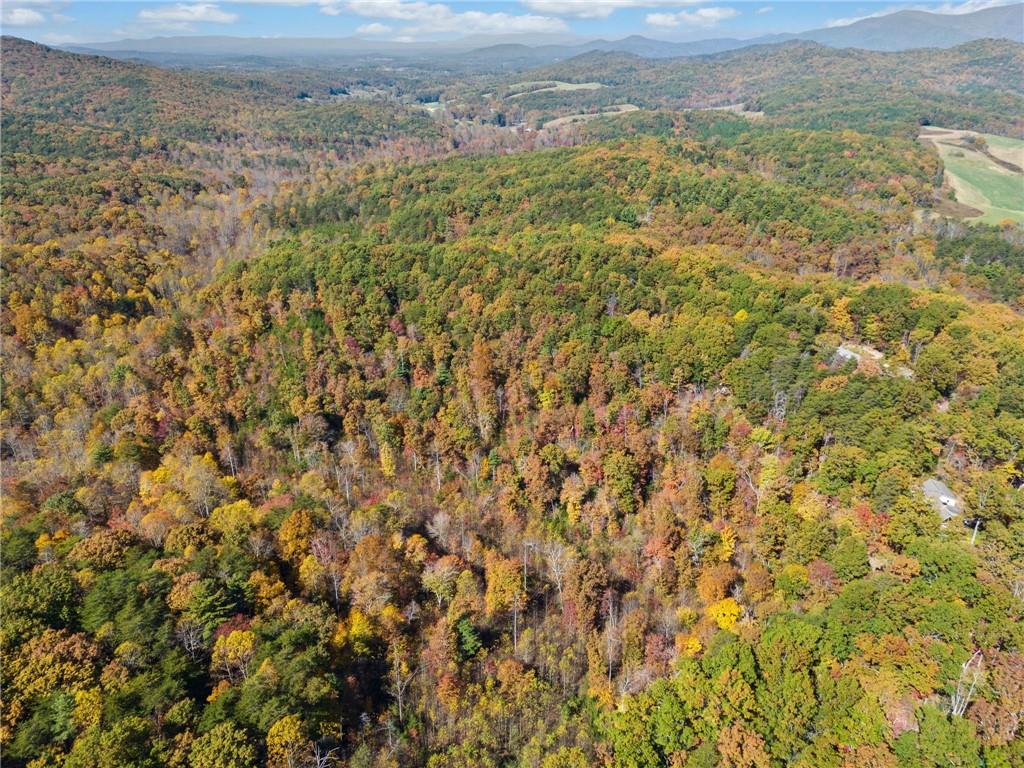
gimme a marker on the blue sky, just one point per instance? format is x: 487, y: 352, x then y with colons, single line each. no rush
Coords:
x: 70, y: 21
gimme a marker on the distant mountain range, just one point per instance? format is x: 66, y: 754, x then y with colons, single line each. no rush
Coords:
x: 897, y: 31
x: 919, y: 29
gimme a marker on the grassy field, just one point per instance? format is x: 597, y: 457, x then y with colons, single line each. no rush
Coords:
x: 541, y: 86
x: 1005, y: 148
x: 736, y: 109
x: 979, y: 179
x: 614, y: 109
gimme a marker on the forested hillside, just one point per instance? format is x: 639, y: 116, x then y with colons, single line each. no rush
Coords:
x: 156, y: 177
x: 361, y: 452
x: 804, y: 84
x: 91, y: 106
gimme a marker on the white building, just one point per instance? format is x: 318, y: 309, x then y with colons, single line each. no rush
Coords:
x: 946, y: 503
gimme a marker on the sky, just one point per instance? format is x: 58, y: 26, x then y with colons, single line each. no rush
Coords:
x: 60, y: 22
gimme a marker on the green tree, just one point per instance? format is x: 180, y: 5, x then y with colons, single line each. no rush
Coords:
x: 223, y: 746
x: 850, y: 558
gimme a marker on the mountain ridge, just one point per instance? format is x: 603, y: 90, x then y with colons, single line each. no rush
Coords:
x: 902, y: 30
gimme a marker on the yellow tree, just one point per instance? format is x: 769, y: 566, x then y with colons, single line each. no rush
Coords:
x: 504, y: 589
x: 286, y: 741
x: 233, y: 654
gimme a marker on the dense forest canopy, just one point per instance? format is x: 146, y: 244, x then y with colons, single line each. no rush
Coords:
x: 337, y: 432
x: 77, y: 100
x: 975, y: 85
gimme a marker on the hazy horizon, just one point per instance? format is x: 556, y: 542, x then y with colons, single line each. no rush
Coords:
x: 403, y: 21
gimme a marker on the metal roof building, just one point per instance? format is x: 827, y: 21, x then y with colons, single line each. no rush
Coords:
x: 941, y: 496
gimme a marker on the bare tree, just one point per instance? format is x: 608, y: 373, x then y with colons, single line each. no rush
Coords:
x: 437, y: 467
x: 558, y: 558
x: 190, y: 634
x: 260, y: 545
x: 515, y: 622
x: 399, y: 678
x: 754, y: 486
x: 1017, y: 587
x: 339, y: 517
x: 321, y: 757
x: 970, y: 676
x: 324, y: 547
x: 611, y: 638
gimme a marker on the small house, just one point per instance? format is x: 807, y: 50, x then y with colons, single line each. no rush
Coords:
x: 942, y: 498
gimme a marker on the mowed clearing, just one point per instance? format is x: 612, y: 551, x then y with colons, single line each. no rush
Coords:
x: 988, y: 177
x: 543, y: 86
x: 736, y: 109
x: 614, y: 109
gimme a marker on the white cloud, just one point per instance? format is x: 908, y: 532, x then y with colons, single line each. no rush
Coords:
x: 415, y: 10
x: 180, y: 18
x: 765, y: 9
x: 479, y: 22
x: 702, y: 17
x: 46, y: 5
x: 185, y: 13
x: 970, y: 6
x: 662, y: 20
x: 373, y: 29
x: 423, y: 18
x: 598, y: 9
x: 31, y: 13
x: 20, y: 17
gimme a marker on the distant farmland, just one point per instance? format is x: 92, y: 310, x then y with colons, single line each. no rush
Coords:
x: 543, y: 86
x: 985, y: 171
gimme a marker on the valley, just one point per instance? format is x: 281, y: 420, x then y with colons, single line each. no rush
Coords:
x: 464, y: 403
